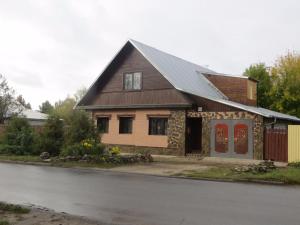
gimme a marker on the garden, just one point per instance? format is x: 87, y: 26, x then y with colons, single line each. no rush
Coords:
x: 66, y: 143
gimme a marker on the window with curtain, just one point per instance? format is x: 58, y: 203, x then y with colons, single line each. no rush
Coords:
x: 133, y: 81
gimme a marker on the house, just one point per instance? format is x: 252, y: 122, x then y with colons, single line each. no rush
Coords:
x: 35, y: 118
x: 146, y: 99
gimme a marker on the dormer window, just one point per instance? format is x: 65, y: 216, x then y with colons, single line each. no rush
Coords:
x: 133, y: 81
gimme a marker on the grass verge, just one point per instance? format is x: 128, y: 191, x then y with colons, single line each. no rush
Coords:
x: 36, y: 160
x: 288, y: 175
x: 17, y: 209
x: 4, y: 222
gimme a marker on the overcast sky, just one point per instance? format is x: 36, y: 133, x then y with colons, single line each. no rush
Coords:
x: 49, y: 49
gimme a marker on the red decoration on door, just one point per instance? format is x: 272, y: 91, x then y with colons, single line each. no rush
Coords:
x: 241, y: 138
x: 221, y: 138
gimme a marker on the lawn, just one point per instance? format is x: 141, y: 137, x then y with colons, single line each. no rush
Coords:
x: 288, y: 175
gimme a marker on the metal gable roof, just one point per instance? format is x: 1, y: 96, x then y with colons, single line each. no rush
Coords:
x: 188, y: 77
x: 183, y: 75
x: 260, y: 111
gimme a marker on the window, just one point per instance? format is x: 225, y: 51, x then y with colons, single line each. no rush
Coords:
x: 125, y: 125
x: 102, y: 124
x: 158, y: 126
x: 133, y: 81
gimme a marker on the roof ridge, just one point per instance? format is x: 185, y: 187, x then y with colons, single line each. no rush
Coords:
x: 185, y: 60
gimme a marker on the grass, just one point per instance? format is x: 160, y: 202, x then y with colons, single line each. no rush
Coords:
x: 36, y: 159
x: 17, y: 209
x: 20, y: 158
x: 4, y: 222
x: 289, y: 175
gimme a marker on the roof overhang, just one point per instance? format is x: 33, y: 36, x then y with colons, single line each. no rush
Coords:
x: 144, y: 106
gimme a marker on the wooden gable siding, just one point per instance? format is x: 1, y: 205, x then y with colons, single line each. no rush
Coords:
x: 155, y: 88
x: 234, y: 88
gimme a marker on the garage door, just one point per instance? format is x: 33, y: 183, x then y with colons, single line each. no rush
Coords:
x: 232, y: 138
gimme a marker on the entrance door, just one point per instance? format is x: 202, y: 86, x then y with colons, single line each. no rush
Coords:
x: 193, y: 135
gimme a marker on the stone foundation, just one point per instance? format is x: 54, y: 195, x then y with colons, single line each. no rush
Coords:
x: 206, y: 128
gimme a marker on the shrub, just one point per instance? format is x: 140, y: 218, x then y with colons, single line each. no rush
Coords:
x: 80, y: 128
x: 88, y: 146
x: 115, y: 150
x: 52, y: 137
x: 12, y: 150
x: 19, y: 135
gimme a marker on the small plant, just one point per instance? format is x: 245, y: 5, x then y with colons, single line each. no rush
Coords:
x: 115, y: 150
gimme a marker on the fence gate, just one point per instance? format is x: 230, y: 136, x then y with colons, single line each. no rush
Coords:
x: 276, y: 144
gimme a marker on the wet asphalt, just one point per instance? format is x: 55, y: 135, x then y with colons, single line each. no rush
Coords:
x: 120, y: 198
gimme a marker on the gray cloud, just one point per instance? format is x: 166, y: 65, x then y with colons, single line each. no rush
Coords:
x: 53, y: 47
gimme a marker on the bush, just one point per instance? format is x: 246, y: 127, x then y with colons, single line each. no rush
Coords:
x: 12, y: 150
x: 88, y: 146
x: 80, y: 128
x: 19, y: 135
x: 52, y: 137
x: 115, y: 150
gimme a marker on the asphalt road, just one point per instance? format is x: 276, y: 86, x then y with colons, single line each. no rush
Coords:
x: 120, y: 198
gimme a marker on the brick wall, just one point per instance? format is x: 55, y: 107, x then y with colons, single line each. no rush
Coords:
x: 234, y: 88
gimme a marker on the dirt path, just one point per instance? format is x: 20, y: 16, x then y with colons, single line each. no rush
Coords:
x: 45, y: 217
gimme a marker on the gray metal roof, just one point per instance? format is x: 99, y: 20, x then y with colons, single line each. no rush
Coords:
x: 258, y: 110
x: 183, y: 75
x: 188, y: 77
x: 28, y: 113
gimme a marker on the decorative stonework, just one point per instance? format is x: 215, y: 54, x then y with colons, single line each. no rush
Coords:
x: 176, y: 131
x: 206, y: 129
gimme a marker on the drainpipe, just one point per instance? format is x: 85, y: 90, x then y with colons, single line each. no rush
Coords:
x: 272, y: 123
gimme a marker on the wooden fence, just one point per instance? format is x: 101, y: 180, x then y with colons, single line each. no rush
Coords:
x: 294, y: 143
x: 276, y: 144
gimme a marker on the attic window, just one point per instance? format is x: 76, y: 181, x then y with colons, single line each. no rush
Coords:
x: 133, y: 81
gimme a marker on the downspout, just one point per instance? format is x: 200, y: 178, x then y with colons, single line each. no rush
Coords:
x: 272, y: 123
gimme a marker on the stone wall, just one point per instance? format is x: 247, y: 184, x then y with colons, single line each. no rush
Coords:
x: 176, y: 131
x: 206, y: 128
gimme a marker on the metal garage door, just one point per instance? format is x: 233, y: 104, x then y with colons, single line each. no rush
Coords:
x: 232, y: 138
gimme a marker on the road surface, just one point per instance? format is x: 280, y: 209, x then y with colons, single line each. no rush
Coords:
x: 120, y: 198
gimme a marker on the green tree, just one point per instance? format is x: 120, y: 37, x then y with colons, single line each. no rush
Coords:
x: 64, y: 109
x: 286, y: 88
x: 52, y: 137
x: 46, y: 107
x: 19, y: 134
x: 80, y: 128
x: 260, y: 73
